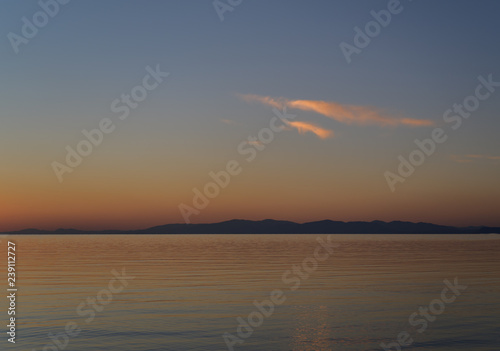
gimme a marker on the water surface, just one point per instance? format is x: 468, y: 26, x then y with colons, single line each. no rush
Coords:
x: 189, y: 290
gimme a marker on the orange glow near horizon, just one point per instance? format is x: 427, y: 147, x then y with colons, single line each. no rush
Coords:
x: 95, y: 206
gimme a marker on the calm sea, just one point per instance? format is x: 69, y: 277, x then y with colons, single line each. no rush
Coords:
x: 188, y: 291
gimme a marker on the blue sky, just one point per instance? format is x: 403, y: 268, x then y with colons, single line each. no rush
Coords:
x: 424, y: 61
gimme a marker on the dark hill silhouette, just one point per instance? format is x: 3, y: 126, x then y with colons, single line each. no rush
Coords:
x: 270, y: 226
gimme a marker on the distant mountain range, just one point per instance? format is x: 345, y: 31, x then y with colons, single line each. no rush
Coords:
x: 270, y: 226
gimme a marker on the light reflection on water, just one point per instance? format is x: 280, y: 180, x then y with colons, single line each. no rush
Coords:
x: 189, y: 290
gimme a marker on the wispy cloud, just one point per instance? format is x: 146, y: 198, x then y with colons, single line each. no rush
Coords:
x: 301, y: 126
x: 278, y: 103
x: 485, y: 157
x: 255, y: 142
x: 460, y: 159
x: 348, y: 114
x: 304, y: 127
x: 472, y: 157
x: 228, y: 121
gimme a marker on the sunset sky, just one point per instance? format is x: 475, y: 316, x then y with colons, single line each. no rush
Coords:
x: 352, y: 120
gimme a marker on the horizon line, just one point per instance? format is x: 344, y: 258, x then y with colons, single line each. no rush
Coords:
x: 241, y: 219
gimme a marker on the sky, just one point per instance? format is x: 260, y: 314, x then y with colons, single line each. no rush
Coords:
x: 209, y: 77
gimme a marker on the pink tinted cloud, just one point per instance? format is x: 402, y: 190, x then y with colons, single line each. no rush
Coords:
x: 304, y: 127
x: 348, y: 114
